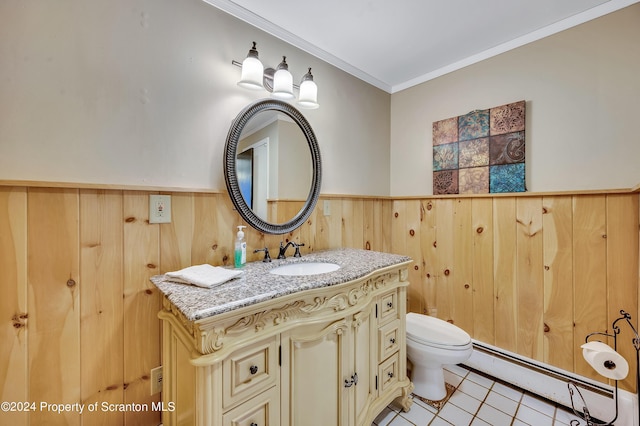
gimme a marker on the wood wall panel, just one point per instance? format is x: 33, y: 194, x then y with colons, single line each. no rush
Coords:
x: 352, y: 223
x: 559, y: 349
x: 308, y: 233
x: 333, y: 229
x: 141, y: 298
x: 101, y: 307
x: 462, y: 271
x: 444, y: 303
x: 569, y: 262
x: 369, y: 226
x: 399, y: 227
x: 406, y: 233
x: 428, y: 257
x: 53, y: 303
x: 622, y: 272
x: 321, y: 232
x: 529, y: 277
x: 350, y: 214
x: 413, y: 238
x: 482, y: 277
x: 590, y: 272
x: 387, y: 234
x: 505, y: 279
x: 13, y: 302
x: 210, y: 242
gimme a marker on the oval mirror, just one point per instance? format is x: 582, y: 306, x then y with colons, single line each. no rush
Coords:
x: 272, y: 166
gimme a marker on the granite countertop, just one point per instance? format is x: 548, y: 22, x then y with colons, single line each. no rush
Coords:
x: 258, y: 285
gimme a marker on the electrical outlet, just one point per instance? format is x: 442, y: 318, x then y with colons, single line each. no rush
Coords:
x: 159, y: 208
x: 156, y: 380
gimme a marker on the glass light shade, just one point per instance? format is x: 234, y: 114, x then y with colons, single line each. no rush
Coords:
x: 252, y: 72
x: 308, y: 95
x: 283, y: 81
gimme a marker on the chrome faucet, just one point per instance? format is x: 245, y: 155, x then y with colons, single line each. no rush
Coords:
x: 283, y: 249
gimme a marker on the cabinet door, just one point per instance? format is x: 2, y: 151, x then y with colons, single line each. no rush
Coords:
x: 314, y: 370
x: 365, y: 363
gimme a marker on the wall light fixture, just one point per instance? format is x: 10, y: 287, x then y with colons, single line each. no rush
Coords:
x: 278, y: 81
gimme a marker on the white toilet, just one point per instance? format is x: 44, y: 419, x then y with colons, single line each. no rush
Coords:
x: 431, y: 344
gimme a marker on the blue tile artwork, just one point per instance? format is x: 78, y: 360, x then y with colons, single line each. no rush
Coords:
x: 506, y: 178
x: 473, y: 125
x: 484, y: 154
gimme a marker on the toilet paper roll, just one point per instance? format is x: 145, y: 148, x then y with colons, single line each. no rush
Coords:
x: 606, y: 361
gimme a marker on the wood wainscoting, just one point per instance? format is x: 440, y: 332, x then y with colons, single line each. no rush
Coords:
x: 79, y: 314
x: 530, y: 273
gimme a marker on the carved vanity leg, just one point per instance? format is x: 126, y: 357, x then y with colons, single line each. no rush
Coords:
x: 405, y: 401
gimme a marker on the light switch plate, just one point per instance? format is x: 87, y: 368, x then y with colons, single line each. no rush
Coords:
x: 159, y: 208
x: 327, y: 208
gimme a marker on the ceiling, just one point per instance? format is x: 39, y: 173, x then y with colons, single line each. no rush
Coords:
x: 397, y: 44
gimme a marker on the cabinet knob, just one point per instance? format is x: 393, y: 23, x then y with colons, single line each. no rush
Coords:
x: 390, y: 375
x: 392, y: 340
x: 253, y: 424
x: 253, y: 370
x: 390, y: 304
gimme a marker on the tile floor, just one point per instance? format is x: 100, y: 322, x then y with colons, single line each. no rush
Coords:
x: 481, y: 401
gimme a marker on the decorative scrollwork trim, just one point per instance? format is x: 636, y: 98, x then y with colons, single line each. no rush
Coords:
x: 211, y: 340
x: 210, y: 337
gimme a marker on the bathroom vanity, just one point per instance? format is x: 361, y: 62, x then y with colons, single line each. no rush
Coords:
x: 292, y: 350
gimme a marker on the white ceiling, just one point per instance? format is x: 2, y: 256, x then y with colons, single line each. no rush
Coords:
x: 397, y: 44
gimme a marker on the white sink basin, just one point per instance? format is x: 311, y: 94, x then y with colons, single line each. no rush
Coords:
x: 305, y: 268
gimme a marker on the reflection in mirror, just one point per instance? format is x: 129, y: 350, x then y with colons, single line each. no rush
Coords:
x: 272, y: 166
x: 244, y: 166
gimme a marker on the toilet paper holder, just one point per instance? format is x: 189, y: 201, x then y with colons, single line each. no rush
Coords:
x: 573, y: 387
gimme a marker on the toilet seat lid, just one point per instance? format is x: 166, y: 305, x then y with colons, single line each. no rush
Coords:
x: 423, y: 328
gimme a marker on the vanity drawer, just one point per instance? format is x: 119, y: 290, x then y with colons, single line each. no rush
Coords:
x: 249, y: 370
x: 388, y: 373
x: 388, y: 339
x: 263, y: 410
x: 388, y: 307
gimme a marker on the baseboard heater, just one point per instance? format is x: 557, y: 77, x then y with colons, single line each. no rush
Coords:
x: 552, y: 383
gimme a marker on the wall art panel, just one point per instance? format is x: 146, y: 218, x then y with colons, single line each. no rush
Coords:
x: 480, y: 152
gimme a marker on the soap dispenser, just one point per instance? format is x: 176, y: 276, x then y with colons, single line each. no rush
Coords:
x: 240, y: 249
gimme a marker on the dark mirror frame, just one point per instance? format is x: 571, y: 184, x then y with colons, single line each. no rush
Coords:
x: 230, y: 172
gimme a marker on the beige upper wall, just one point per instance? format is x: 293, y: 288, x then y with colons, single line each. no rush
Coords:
x: 582, y: 91
x: 139, y: 92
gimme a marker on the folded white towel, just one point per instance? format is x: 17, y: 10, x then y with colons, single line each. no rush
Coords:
x: 206, y: 276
